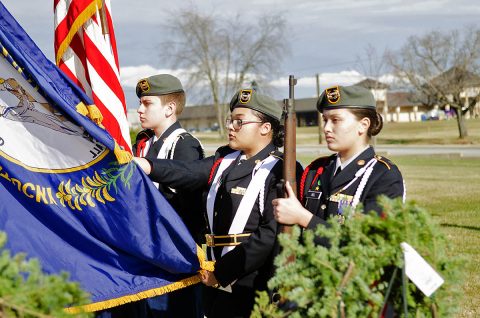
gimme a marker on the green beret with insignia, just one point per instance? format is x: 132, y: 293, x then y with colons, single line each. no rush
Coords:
x: 156, y: 85
x: 249, y: 98
x: 346, y: 97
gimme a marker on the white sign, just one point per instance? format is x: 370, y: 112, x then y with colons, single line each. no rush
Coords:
x: 419, y: 271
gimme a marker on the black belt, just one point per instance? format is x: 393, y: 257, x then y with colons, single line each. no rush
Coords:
x: 226, y: 240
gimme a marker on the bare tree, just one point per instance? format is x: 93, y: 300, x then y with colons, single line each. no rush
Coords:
x: 372, y: 63
x: 443, y: 69
x: 221, y: 54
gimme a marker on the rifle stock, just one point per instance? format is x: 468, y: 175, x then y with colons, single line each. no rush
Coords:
x: 289, y: 149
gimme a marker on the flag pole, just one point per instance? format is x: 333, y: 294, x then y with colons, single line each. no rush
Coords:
x: 104, y: 24
x: 103, y: 19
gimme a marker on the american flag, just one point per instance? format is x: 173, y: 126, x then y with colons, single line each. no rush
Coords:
x: 86, y: 51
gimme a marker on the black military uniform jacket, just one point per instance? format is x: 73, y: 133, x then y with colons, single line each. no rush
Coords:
x: 319, y: 190
x: 183, y: 201
x: 250, y: 263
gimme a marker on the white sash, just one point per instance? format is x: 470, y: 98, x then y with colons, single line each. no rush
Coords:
x: 168, y: 144
x: 259, y: 175
x: 212, y: 193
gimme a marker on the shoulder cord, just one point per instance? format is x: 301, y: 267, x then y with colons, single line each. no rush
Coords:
x: 261, y: 200
x: 212, y: 171
x: 302, y: 182
x: 261, y: 196
x: 172, y: 150
x: 363, y: 182
x: 359, y: 173
x: 318, y: 172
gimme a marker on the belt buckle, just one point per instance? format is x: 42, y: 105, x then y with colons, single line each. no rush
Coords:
x: 209, y: 239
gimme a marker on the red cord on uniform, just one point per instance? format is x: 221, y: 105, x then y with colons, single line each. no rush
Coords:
x: 214, y: 167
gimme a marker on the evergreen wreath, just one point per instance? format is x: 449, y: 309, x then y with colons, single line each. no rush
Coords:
x: 351, y: 277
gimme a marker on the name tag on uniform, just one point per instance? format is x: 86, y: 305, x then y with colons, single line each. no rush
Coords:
x: 238, y: 190
x: 315, y: 195
x: 340, y: 197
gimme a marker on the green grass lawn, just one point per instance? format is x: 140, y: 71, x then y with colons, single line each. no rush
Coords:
x: 449, y: 189
x: 427, y: 132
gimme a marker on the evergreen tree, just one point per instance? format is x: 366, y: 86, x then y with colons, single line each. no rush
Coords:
x: 351, y: 277
x: 27, y: 292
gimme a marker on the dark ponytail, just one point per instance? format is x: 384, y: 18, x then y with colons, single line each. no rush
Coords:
x: 376, y: 120
x: 278, y: 130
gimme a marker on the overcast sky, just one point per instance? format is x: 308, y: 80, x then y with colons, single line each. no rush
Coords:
x: 327, y: 37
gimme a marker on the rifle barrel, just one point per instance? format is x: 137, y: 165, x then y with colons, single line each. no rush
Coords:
x: 290, y: 155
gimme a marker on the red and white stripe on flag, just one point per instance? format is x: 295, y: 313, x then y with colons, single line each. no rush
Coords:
x: 90, y: 59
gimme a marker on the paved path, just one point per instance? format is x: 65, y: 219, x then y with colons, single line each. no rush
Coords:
x: 395, y: 150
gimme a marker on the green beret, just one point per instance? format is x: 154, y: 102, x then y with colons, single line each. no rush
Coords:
x: 346, y: 97
x: 160, y: 84
x: 249, y: 98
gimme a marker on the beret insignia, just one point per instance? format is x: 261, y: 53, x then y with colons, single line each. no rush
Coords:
x: 333, y: 94
x: 245, y: 95
x: 143, y: 85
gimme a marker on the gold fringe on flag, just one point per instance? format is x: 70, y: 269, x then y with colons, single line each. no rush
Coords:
x: 202, y: 258
x: 204, y: 265
x: 134, y: 297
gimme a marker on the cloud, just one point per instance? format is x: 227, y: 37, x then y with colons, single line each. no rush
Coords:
x: 130, y: 75
x: 326, y: 79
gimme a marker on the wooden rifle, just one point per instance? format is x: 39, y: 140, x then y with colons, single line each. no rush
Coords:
x: 289, y: 149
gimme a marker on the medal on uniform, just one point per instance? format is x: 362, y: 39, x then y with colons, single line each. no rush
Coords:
x: 342, y: 204
x: 238, y: 190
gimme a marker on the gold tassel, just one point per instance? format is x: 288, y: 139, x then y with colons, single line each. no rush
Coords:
x: 95, y: 115
x: 123, y: 156
x: 92, y: 112
x: 82, y: 109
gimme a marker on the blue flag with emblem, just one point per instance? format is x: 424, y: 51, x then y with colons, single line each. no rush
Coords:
x: 71, y: 197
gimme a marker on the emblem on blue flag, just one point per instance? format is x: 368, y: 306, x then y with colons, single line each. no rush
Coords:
x: 71, y: 198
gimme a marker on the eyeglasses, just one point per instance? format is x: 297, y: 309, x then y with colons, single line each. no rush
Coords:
x: 238, y: 123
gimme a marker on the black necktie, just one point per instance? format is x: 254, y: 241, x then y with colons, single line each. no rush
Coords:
x: 338, y: 171
x: 154, y: 149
